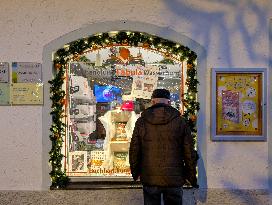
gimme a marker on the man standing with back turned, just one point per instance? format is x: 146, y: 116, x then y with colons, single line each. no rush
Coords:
x: 161, y: 152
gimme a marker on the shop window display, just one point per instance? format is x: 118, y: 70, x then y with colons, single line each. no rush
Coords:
x: 106, y: 94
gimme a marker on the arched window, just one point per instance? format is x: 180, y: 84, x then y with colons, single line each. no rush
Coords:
x: 104, y: 82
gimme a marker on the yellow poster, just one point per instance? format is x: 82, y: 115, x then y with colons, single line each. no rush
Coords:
x: 238, y: 100
x: 27, y: 93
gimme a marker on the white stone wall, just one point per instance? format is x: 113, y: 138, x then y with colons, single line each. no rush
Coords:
x: 233, y: 33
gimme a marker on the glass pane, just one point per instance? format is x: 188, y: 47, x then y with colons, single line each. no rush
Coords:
x: 108, y: 89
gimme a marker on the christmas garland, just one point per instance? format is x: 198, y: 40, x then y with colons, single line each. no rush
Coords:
x: 121, y: 38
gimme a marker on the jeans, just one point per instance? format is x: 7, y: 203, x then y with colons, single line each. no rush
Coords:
x: 171, y: 195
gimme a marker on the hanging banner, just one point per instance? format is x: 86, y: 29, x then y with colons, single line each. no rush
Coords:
x: 157, y: 70
x: 27, y: 94
x: 24, y: 72
x: 4, y: 72
x: 119, y: 70
x: 4, y: 93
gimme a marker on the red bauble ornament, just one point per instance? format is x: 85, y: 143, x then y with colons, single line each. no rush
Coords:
x: 63, y: 102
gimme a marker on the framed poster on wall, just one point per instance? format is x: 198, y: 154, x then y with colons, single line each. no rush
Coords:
x: 4, y: 72
x: 239, y: 104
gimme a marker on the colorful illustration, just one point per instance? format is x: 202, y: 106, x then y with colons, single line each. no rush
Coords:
x: 238, y: 103
x: 122, y: 55
x: 230, y: 106
x: 78, y: 161
x: 143, y: 85
x: 120, y: 160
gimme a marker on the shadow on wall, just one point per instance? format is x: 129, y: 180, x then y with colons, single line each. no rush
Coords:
x: 227, y: 18
x: 260, y: 197
x: 217, y: 19
x: 202, y: 197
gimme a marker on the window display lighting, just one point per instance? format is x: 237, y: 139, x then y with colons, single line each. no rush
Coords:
x: 73, y: 51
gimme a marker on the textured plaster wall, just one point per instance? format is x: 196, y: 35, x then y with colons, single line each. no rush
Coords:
x: 233, y: 33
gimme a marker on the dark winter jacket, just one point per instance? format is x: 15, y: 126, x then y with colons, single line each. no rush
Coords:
x: 161, y: 148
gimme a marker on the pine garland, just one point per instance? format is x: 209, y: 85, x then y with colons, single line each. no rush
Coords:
x: 121, y: 38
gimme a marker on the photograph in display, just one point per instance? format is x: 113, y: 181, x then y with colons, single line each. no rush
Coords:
x: 143, y: 85
x: 239, y: 100
x: 78, y: 161
x: 120, y: 160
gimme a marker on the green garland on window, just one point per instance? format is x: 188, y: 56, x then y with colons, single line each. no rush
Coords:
x: 125, y: 38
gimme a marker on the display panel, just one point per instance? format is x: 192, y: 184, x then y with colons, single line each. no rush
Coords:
x: 106, y: 95
x: 239, y: 100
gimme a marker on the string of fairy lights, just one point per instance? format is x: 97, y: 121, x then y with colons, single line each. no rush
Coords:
x: 75, y: 49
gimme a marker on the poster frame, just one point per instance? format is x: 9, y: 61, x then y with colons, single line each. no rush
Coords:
x: 6, y: 64
x: 234, y: 135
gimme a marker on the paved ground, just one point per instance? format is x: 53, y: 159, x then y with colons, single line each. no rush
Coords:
x: 131, y: 197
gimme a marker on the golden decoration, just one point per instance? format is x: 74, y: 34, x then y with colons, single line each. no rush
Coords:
x: 189, y: 66
x: 63, y: 101
x: 193, y: 118
x: 125, y: 43
x: 57, y: 66
x: 76, y: 57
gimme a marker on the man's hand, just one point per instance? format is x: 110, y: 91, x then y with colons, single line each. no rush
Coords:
x: 136, y: 178
x: 195, y: 185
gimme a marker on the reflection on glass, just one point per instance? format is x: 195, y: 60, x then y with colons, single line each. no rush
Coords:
x: 107, y: 93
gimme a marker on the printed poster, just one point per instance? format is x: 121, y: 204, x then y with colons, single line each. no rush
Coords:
x: 4, y: 93
x: 238, y: 100
x: 120, y: 160
x: 96, y: 160
x: 27, y: 93
x: 143, y: 85
x: 78, y: 161
x: 24, y: 72
x: 230, y: 106
x: 4, y: 72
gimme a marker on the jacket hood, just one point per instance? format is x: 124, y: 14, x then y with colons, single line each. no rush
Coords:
x: 159, y: 114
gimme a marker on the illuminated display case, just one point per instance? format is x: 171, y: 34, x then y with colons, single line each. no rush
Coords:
x: 107, y: 90
x: 239, y: 108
